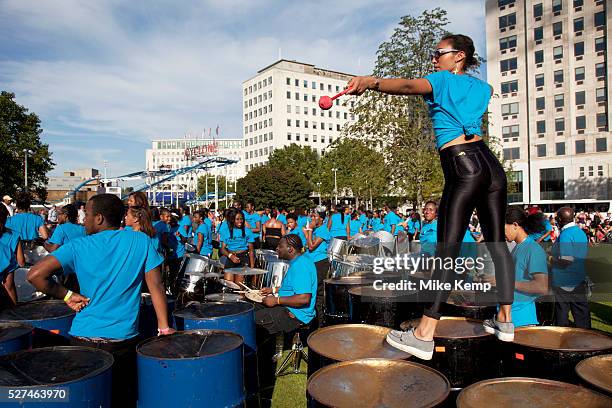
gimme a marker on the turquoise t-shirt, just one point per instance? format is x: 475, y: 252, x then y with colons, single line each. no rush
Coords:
x: 301, y: 278
x: 376, y: 225
x: 8, y: 253
x: 529, y: 258
x: 110, y: 266
x: 65, y: 232
x: 161, y: 228
x: 174, y: 242
x: 354, y: 227
x: 413, y: 225
x: 320, y: 252
x: 298, y: 231
x: 338, y: 228
x: 252, y: 219
x: 239, y: 241
x: 282, y: 218
x: 206, y: 232
x: 547, y: 227
x: 429, y: 237
x: 456, y: 105
x: 392, y: 219
x: 186, y: 222
x: 25, y: 224
x: 573, y: 245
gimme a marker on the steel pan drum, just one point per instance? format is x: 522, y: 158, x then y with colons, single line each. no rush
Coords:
x: 376, y: 383
x: 341, y: 269
x: 463, y: 351
x: 387, y: 241
x: 337, y: 249
x: 262, y: 256
x: 25, y: 290
x: 345, y: 342
x: 597, y: 372
x: 365, y: 246
x: 553, y: 352
x: 466, y: 304
x: 387, y: 308
x: 195, y: 264
x: 276, y: 272
x: 522, y: 392
x: 224, y: 297
x: 337, y: 298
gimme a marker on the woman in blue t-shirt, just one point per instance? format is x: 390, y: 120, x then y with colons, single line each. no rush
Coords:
x: 11, y: 257
x: 67, y: 228
x: 474, y: 178
x: 338, y: 224
x: 355, y: 225
x: 317, y: 238
x: 236, y: 244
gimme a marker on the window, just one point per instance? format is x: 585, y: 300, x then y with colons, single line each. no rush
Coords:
x: 540, y: 103
x: 297, y: 82
x: 538, y: 33
x: 513, y: 153
x: 579, y: 49
x: 580, y: 98
x: 590, y: 171
x: 305, y: 110
x: 601, y: 145
x: 557, y: 5
x: 558, y: 52
x: 510, y: 109
x: 306, y: 124
x: 297, y: 137
x: 600, y: 70
x: 579, y: 74
x: 510, y: 131
x: 578, y: 3
x: 507, y: 65
x: 539, y: 56
x: 559, y: 101
x: 539, y: 80
x: 602, y: 120
x: 600, y: 19
x: 552, y: 184
x: 580, y: 147
x: 501, y: 3
x: 297, y: 123
x: 559, y: 124
x: 580, y: 122
x: 600, y: 44
x: 541, y: 150
x: 560, y: 148
x: 600, y: 171
x: 600, y: 94
x: 541, y: 126
x: 507, y: 87
x: 288, y: 108
x: 558, y: 76
x: 581, y: 171
x: 305, y: 84
x: 288, y: 136
x: 515, y: 186
x: 305, y: 98
x: 507, y: 42
x: 288, y: 122
x: 557, y: 28
x: 297, y: 96
x: 314, y: 85
x: 537, y: 10
x: 507, y: 20
x: 578, y: 24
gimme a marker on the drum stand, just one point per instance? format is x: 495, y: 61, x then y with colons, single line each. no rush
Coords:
x: 296, y: 354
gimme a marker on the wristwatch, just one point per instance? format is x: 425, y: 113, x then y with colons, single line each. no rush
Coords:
x: 376, y: 84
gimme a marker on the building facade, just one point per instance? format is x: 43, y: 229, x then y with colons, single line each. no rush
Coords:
x: 59, y: 186
x: 281, y: 107
x: 546, y: 60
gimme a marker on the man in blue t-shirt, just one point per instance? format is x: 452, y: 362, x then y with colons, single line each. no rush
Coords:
x: 29, y: 226
x: 67, y: 228
x: 294, y: 303
x: 110, y: 265
x: 429, y: 230
x: 568, y: 272
x: 392, y: 220
x: 253, y: 221
x: 185, y: 222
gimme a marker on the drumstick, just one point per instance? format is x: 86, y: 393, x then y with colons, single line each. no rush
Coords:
x: 325, y: 102
x: 246, y: 287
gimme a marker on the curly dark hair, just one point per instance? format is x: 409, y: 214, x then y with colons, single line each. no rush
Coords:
x: 464, y: 43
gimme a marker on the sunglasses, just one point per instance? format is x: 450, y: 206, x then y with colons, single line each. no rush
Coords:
x: 440, y: 52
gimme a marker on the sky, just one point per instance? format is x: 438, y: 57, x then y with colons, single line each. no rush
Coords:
x: 108, y: 76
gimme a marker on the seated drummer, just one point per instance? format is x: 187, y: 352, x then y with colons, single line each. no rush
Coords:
x: 110, y: 265
x: 236, y: 244
x: 203, y: 233
x: 295, y: 304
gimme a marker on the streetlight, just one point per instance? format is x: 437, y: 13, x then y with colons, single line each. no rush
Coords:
x: 335, y: 183
x: 319, y: 185
x: 25, y: 154
x: 105, y: 178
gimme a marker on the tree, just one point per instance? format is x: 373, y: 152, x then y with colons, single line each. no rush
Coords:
x: 268, y: 186
x: 399, y: 126
x: 302, y: 159
x: 20, y: 130
x: 211, y: 185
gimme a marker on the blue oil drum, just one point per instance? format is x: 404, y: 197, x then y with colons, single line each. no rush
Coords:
x: 51, y: 319
x: 15, y: 336
x: 62, y: 377
x: 147, y: 320
x: 195, y: 368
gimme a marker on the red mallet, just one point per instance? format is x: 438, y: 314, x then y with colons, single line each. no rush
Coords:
x: 325, y: 102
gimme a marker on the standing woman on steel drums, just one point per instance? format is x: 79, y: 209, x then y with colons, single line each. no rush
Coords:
x: 273, y: 230
x: 338, y: 224
x: 474, y: 178
x: 318, y: 237
x: 236, y: 244
x: 11, y: 258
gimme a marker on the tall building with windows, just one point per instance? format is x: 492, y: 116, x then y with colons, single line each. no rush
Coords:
x: 546, y: 60
x: 281, y: 107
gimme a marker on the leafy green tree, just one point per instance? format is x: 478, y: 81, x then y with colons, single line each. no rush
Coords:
x: 270, y: 186
x: 302, y: 159
x: 211, y: 185
x: 20, y: 130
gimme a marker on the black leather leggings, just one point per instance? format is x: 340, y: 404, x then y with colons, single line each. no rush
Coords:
x: 474, y: 178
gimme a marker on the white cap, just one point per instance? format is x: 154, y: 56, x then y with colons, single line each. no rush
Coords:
x: 7, y: 197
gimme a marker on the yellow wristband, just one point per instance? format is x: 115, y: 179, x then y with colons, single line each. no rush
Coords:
x: 68, y: 294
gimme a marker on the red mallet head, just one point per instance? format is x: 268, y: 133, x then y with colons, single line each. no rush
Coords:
x: 325, y: 102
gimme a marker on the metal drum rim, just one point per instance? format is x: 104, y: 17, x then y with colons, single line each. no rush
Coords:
x: 522, y: 380
x: 94, y: 373
x: 584, y: 362
x: 151, y: 339
x: 563, y: 329
x: 323, y: 370
x: 358, y: 278
x: 467, y: 319
x: 70, y: 313
x: 252, y: 308
x: 342, y: 326
x: 19, y: 324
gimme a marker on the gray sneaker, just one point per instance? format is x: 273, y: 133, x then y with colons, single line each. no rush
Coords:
x: 407, y: 341
x: 503, y: 331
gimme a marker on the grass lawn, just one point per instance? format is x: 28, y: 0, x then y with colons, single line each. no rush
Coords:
x: 290, y: 390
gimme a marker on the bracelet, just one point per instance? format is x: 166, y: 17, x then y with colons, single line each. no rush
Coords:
x: 278, y: 300
x: 376, y: 84
x: 163, y: 331
x: 68, y: 295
